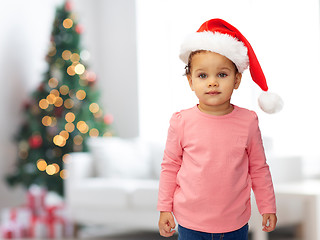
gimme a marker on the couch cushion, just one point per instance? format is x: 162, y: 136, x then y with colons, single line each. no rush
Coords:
x: 157, y: 150
x: 97, y: 192
x: 121, y: 158
x: 145, y: 195
x: 115, y: 193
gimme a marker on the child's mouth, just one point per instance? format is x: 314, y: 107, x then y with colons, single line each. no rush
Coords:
x: 213, y: 92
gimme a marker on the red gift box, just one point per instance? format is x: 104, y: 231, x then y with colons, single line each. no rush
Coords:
x: 15, y: 223
x: 36, y: 199
x: 44, y: 216
x: 55, y: 222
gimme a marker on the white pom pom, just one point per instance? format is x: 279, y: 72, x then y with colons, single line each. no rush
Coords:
x: 270, y: 102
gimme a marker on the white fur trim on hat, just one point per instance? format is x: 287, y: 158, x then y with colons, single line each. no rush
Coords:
x: 223, y: 44
x: 270, y: 102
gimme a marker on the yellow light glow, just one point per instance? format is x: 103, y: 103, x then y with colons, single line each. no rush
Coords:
x: 79, y: 69
x: 94, y: 132
x: 43, y: 104
x: 56, y: 166
x: 69, y: 127
x: 58, y: 102
x: 68, y: 103
x: 51, y: 98
x: 94, y: 107
x: 63, y: 174
x: 75, y: 57
x: 82, y: 127
x: 46, y: 121
x: 81, y: 94
x: 42, y: 164
x: 64, y: 134
x: 59, y: 140
x: 50, y: 169
x: 53, y: 82
x: 55, y: 92
x: 67, y: 23
x: 70, y: 117
x: 66, y: 54
x: 66, y: 158
x: 64, y: 89
x: 78, y: 140
x: 70, y: 70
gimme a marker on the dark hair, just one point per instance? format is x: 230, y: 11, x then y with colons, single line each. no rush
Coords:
x: 188, y: 66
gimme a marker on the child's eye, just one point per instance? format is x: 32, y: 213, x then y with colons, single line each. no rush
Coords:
x: 222, y: 75
x: 203, y: 75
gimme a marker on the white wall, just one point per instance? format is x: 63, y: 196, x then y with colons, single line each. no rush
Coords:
x: 285, y: 36
x: 110, y: 36
x: 23, y: 45
x: 25, y: 28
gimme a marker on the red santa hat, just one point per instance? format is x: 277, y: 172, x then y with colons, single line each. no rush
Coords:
x: 218, y: 36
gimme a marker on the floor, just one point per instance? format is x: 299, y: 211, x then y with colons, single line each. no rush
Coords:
x: 280, y: 234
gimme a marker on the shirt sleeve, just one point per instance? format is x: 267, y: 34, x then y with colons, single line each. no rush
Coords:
x: 171, y: 164
x: 262, y: 185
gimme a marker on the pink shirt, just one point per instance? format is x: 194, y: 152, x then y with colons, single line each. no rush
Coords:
x: 209, y: 166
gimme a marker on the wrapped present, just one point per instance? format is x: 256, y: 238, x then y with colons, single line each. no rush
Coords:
x: 15, y: 222
x: 55, y: 223
x: 11, y: 230
x: 58, y: 215
x: 36, y: 199
x: 47, y: 225
x: 45, y: 216
x: 39, y: 229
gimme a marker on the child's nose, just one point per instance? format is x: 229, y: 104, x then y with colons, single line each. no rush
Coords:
x: 213, y: 82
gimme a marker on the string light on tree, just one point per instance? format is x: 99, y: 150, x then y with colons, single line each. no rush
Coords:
x: 62, y: 112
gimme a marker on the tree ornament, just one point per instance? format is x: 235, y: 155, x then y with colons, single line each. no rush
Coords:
x: 79, y: 28
x: 35, y: 141
x: 26, y: 105
x: 68, y: 6
x: 108, y: 119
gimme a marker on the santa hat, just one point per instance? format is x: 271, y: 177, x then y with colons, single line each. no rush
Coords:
x: 218, y: 36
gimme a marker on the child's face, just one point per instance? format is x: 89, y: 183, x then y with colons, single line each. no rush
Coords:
x: 213, y: 78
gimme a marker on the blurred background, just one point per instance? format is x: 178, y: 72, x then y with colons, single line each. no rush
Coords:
x: 131, y: 48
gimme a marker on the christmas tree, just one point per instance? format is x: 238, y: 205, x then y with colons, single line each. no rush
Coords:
x: 62, y: 112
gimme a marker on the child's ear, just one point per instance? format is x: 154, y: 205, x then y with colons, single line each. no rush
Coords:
x: 237, y: 80
x: 190, y: 81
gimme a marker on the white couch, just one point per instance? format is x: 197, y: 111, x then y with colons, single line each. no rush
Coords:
x: 116, y: 185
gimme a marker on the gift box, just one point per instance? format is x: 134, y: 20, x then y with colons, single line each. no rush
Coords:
x: 36, y: 196
x: 15, y: 222
x: 44, y: 216
x: 38, y: 227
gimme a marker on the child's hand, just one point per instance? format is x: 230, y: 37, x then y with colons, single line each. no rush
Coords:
x: 166, y: 224
x: 270, y: 218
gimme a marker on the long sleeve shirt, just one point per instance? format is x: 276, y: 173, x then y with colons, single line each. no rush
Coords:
x: 209, y: 167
